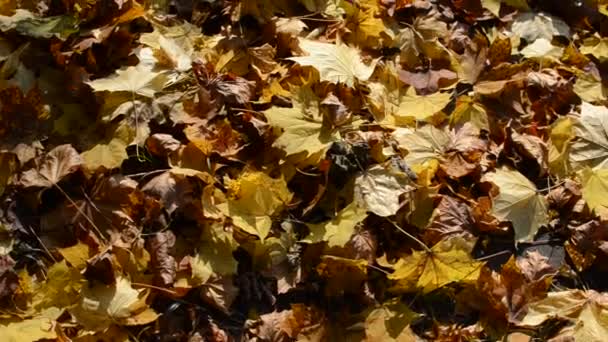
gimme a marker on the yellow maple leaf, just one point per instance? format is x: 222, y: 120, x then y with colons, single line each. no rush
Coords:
x: 447, y: 262
x: 214, y: 256
x: 253, y: 198
x: 135, y: 79
x: 302, y: 125
x: 336, y: 63
x: 595, y: 187
x: 422, y: 107
x: 101, y: 305
x: 36, y: 328
x: 519, y: 202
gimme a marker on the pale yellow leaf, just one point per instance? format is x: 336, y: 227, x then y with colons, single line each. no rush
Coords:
x: 378, y: 189
x: 519, y: 202
x: 109, y: 155
x: 135, y: 79
x: 590, y: 148
x: 422, y: 107
x: 336, y: 63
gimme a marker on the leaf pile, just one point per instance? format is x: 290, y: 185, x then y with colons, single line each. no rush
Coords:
x: 311, y: 170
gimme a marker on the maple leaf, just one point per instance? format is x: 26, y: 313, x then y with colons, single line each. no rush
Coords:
x: 594, y: 188
x: 102, y: 305
x: 422, y: 107
x: 214, y: 257
x: 336, y: 63
x: 339, y: 230
x: 423, y: 145
x: 451, y: 217
x: 36, y: 328
x: 253, y: 198
x: 590, y: 148
x: 562, y: 133
x: 495, y: 5
x: 134, y: 79
x: 518, y: 202
x: 303, y: 129
x: 109, y: 155
x: 595, y: 46
x: 58, y: 163
x: 587, y: 310
x: 378, y: 190
x: 368, y: 29
x: 446, y: 262
x: 24, y: 22
x: 59, y: 291
x: 390, y: 322
x: 532, y: 26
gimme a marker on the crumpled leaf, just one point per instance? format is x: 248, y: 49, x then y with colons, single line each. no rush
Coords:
x: 58, y: 163
x: 451, y: 217
x: 378, y: 190
x: 338, y: 231
x: 518, y: 202
x: 336, y: 63
x: 253, y: 198
x: 446, y: 262
x: 134, y: 79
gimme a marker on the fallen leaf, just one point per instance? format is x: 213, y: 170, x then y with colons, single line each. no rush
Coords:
x: 41, y: 326
x: 58, y: 163
x: 253, y: 198
x: 422, y: 107
x: 594, y: 186
x: 446, y: 262
x: 102, y: 305
x: 586, y: 310
x: 135, y: 79
x: 378, y: 189
x: 336, y: 63
x: 532, y: 26
x: 390, y: 322
x: 590, y: 147
x: 303, y: 129
x: 339, y: 230
x: 519, y: 202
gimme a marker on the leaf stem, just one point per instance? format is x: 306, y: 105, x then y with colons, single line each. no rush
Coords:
x: 426, y: 248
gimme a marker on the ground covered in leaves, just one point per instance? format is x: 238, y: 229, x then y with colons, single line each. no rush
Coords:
x: 311, y: 170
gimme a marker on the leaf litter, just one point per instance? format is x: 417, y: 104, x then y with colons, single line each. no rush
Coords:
x: 311, y: 170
